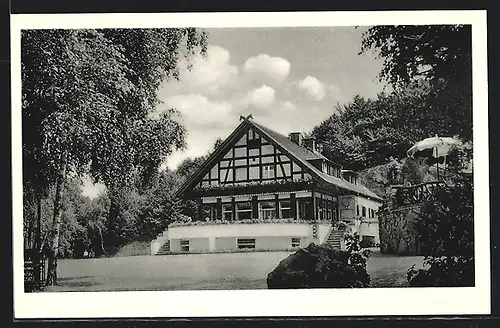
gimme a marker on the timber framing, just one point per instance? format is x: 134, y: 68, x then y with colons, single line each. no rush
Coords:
x: 281, y: 168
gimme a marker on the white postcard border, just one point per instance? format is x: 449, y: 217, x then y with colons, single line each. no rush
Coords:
x: 321, y: 302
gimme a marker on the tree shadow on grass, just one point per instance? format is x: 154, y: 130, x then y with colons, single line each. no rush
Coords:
x: 74, y: 283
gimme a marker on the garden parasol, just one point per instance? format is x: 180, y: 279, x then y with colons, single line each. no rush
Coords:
x: 436, y: 147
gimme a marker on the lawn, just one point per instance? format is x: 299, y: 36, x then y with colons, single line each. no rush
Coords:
x: 201, y: 271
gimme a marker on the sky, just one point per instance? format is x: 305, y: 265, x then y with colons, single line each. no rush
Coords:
x: 289, y: 79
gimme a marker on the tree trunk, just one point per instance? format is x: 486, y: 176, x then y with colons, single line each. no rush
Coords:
x: 38, y: 232
x: 38, y: 240
x: 101, y: 243
x: 30, y: 230
x: 56, y: 224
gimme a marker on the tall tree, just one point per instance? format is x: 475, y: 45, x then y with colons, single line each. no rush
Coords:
x: 438, y: 54
x: 365, y: 132
x: 88, y: 96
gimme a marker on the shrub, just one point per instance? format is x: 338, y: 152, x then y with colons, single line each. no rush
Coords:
x: 322, y: 267
x: 341, y: 226
x: 446, y: 229
x: 367, y: 242
x: 134, y: 248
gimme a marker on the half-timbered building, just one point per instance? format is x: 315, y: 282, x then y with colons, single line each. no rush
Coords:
x: 262, y: 190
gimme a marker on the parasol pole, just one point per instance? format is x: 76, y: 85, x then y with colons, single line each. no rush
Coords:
x: 437, y: 162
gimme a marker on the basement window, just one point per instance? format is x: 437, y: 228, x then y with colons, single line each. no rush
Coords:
x: 246, y: 243
x: 184, y: 245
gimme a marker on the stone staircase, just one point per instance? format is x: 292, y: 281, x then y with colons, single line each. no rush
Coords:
x: 334, y: 239
x: 164, y: 249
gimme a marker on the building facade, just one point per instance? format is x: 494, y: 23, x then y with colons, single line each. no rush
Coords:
x: 262, y: 190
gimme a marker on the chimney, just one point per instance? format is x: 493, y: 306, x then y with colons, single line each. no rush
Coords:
x: 296, y: 137
x: 310, y: 143
x: 319, y: 147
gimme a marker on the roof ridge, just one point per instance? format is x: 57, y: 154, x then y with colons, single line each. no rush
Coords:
x: 325, y: 177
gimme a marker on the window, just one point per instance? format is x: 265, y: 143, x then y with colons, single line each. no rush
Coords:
x: 184, y: 245
x: 246, y: 243
x: 363, y: 211
x: 295, y: 242
x: 243, y: 211
x: 268, y: 171
x: 357, y: 209
x: 328, y: 211
x: 321, y: 209
x: 267, y: 210
x: 305, y: 209
x: 209, y: 212
x: 285, y: 209
x: 227, y: 212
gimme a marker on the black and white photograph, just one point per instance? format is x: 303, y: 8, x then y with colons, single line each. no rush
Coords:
x: 338, y: 158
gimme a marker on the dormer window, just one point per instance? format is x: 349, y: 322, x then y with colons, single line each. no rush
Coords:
x: 350, y: 176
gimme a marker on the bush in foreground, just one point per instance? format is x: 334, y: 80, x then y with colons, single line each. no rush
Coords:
x: 321, y: 267
x: 446, y: 230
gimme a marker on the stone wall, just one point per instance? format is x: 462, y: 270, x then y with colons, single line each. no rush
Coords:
x: 397, y: 230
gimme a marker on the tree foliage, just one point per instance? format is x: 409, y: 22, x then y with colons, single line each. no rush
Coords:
x: 429, y: 68
x: 446, y: 232
x: 438, y: 54
x: 364, y: 133
x: 88, y: 100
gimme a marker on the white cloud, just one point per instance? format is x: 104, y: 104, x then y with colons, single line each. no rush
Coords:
x: 261, y: 97
x: 207, y: 74
x: 288, y: 106
x: 200, y: 141
x: 271, y: 69
x: 313, y: 88
x: 205, y: 121
x: 199, y: 109
x: 334, y: 92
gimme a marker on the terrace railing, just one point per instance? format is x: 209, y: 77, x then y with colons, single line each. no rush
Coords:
x: 411, y: 195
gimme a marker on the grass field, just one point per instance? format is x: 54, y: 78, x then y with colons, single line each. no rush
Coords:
x: 201, y: 271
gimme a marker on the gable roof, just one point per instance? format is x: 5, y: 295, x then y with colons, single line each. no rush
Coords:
x: 298, y: 153
x: 304, y: 155
x: 288, y: 144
